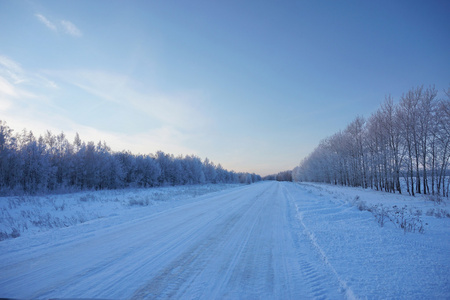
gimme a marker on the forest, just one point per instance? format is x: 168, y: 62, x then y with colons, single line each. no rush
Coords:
x: 404, y: 145
x: 51, y: 164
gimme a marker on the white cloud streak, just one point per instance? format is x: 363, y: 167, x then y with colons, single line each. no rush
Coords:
x: 71, y: 29
x: 64, y: 26
x: 46, y: 22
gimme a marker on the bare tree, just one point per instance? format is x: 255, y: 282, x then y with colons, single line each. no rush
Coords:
x: 409, y: 140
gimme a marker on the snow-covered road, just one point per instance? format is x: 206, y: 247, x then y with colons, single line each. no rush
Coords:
x: 257, y: 241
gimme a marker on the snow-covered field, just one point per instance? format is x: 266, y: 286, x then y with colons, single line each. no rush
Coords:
x: 273, y: 240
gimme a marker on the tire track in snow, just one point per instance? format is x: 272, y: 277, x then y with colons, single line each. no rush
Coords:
x: 187, y: 266
x: 103, y: 253
x: 177, y: 238
x: 248, y: 264
x: 309, y: 270
x: 135, y: 247
x: 315, y: 274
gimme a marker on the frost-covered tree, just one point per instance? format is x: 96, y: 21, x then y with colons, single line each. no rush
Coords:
x: 408, y: 141
x: 209, y: 169
x: 51, y: 163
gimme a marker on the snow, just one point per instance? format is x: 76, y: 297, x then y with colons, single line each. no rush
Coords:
x: 266, y: 240
x: 374, y: 261
x: 23, y: 215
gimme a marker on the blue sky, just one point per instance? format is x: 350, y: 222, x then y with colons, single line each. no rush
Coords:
x: 253, y: 85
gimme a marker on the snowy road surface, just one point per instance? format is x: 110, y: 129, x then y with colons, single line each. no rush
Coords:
x: 267, y: 240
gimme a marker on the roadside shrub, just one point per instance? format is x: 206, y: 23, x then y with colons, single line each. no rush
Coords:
x: 437, y: 199
x: 139, y: 202
x: 3, y: 236
x: 438, y: 213
x: 14, y: 234
x: 87, y: 198
x: 361, y: 205
x: 59, y: 207
x: 407, y: 219
x: 417, y: 212
x: 380, y: 213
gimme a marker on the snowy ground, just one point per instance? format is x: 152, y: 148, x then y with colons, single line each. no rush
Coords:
x: 266, y: 240
x: 24, y: 215
x: 374, y: 261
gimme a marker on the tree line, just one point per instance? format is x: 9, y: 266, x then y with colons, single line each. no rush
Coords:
x: 50, y: 163
x: 402, y: 145
x: 281, y: 176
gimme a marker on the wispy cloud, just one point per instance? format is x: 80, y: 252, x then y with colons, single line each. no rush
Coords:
x: 6, y: 90
x: 17, y: 99
x: 184, y: 110
x: 12, y: 70
x: 64, y: 26
x: 14, y: 75
x: 22, y: 91
x: 46, y: 22
x: 41, y: 100
x: 164, y: 138
x: 70, y: 28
